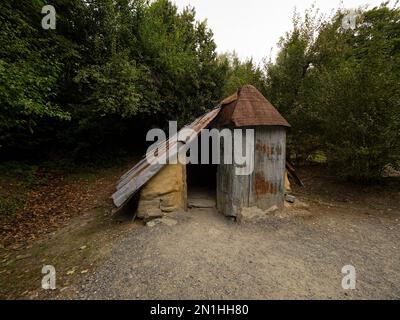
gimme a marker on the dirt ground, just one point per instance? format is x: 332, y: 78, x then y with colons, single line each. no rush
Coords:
x: 205, y: 256
x: 199, y: 254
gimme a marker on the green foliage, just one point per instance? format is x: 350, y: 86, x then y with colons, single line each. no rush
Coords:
x: 340, y: 91
x: 29, y: 70
x: 238, y: 73
x: 110, y: 67
x: 290, y: 82
x: 117, y: 87
x: 181, y: 54
x: 362, y: 134
x: 114, y: 68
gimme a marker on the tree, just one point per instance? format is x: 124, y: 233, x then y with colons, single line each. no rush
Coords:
x: 109, y: 67
x: 31, y: 64
x: 359, y: 95
x: 339, y: 88
x: 238, y: 73
x: 291, y: 79
x: 181, y: 55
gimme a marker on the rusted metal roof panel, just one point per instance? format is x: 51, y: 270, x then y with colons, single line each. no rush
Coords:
x: 131, y: 181
x: 250, y: 108
x: 230, y: 99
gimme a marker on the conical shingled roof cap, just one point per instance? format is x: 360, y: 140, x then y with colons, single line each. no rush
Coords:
x: 248, y: 107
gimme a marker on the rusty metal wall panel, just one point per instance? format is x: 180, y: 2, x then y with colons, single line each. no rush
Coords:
x: 265, y: 186
x: 267, y: 181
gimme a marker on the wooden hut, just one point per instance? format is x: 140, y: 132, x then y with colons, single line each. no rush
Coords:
x: 265, y: 186
x: 163, y: 187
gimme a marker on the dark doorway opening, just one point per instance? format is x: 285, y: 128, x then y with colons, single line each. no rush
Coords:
x: 202, y: 181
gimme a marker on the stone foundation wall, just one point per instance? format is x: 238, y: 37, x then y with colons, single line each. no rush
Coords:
x: 165, y: 192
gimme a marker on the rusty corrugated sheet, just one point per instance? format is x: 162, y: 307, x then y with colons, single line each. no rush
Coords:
x: 249, y: 108
x: 267, y: 182
x: 230, y: 99
x: 143, y: 171
x: 263, y: 188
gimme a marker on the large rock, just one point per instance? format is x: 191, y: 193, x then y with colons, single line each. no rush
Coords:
x: 167, y: 221
x: 201, y: 203
x: 253, y: 214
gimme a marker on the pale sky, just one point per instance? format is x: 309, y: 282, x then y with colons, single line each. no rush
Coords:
x: 253, y: 27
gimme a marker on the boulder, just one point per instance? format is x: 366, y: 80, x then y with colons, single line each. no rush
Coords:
x: 253, y: 214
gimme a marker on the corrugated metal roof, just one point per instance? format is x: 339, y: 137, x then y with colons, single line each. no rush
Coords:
x: 248, y: 107
x: 143, y: 171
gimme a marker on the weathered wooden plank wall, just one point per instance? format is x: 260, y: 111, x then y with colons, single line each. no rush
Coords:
x: 232, y: 189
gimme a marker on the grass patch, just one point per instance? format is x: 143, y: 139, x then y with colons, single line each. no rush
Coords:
x: 318, y: 157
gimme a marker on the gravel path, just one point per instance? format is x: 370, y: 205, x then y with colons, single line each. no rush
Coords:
x: 206, y: 256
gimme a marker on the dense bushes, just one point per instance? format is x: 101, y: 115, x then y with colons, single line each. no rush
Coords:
x: 340, y: 90
x: 109, y: 69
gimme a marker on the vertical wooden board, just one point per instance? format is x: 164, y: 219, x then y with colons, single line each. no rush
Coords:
x: 225, y: 191
x: 218, y: 191
x: 220, y: 185
x: 229, y: 192
x: 185, y: 188
x: 223, y: 187
x: 240, y: 185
